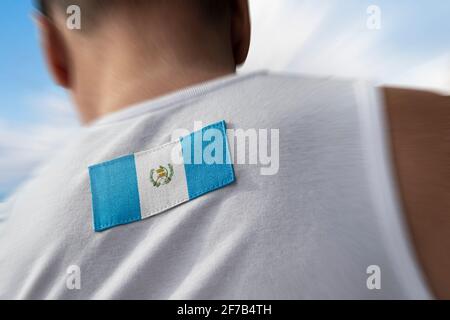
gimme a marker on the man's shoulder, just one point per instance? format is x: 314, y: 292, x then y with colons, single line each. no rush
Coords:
x: 275, y: 97
x: 284, y: 89
x: 296, y: 84
x: 419, y: 125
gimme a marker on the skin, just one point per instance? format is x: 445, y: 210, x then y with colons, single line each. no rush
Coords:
x: 109, y: 64
x: 105, y: 74
x: 420, y: 137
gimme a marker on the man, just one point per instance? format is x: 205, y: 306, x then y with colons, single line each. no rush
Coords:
x: 328, y: 224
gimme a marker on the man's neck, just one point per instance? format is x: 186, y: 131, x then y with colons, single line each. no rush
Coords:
x: 121, y: 93
x: 114, y: 72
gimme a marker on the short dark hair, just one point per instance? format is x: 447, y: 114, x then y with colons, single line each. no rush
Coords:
x: 44, y: 6
x: 212, y: 8
x: 41, y: 6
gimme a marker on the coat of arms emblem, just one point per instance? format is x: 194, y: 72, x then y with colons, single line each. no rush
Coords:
x: 161, y: 175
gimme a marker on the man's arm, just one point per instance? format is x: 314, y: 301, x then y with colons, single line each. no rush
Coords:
x: 419, y: 124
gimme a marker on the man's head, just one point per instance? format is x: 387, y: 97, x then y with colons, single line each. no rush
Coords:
x: 122, y: 42
x: 212, y: 10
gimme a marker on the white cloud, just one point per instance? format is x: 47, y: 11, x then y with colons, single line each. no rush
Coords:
x: 23, y: 146
x: 280, y: 28
x: 52, y: 107
x: 433, y: 75
x: 347, y: 54
x: 312, y: 37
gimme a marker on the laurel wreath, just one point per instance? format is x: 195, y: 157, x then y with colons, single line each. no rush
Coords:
x: 159, y: 181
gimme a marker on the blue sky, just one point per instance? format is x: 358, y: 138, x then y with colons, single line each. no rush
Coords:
x: 22, y: 68
x: 35, y: 115
x: 325, y: 37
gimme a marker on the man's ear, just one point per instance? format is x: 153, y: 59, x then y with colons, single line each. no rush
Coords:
x: 240, y: 30
x: 54, y: 50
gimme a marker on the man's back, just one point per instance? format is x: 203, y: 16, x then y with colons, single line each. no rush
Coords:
x: 310, y: 227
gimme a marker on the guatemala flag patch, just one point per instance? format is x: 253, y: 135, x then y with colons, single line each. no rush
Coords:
x: 144, y: 184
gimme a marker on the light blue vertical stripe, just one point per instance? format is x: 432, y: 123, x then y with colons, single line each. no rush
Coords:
x: 203, y: 176
x: 115, y: 195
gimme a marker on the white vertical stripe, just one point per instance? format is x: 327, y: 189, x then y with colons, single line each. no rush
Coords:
x: 153, y: 199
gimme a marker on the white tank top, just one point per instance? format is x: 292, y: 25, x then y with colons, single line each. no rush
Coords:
x: 326, y: 224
